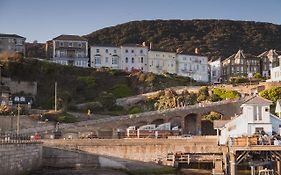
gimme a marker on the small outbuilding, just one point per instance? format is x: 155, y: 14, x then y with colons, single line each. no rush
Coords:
x: 255, y: 118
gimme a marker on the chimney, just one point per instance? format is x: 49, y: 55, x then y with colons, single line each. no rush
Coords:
x: 197, y: 50
x: 143, y: 44
x: 150, y: 45
x: 178, y: 50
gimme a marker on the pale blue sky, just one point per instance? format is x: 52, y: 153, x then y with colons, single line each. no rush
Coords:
x: 45, y: 19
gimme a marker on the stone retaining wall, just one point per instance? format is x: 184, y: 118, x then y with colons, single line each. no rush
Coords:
x: 20, y: 158
x: 145, y: 150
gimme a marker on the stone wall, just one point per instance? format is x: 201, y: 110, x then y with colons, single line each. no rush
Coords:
x: 21, y: 86
x: 59, y: 158
x: 9, y: 123
x: 145, y: 150
x: 19, y: 158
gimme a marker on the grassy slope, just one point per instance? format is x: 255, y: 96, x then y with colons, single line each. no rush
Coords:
x: 77, y: 85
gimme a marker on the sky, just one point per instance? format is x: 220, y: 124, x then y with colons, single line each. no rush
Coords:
x: 43, y: 20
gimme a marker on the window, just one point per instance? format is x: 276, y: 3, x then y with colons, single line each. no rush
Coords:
x: 106, y: 50
x: 61, y: 44
x: 197, y: 67
x: 114, y: 51
x: 141, y: 59
x: 98, y: 50
x: 259, y: 129
x: 133, y: 60
x: 114, y: 61
x: 70, y: 44
x: 132, y: 51
x: 79, y: 44
x: 106, y: 59
x: 141, y: 51
x: 97, y: 60
x: 126, y: 60
x: 126, y: 50
x: 259, y: 113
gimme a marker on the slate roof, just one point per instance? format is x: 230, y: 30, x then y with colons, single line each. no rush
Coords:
x: 271, y: 52
x: 240, y: 54
x: 70, y: 37
x: 133, y: 45
x: 105, y: 45
x: 2, y: 35
x: 257, y: 100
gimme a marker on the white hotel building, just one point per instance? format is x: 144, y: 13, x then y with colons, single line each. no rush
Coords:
x: 137, y: 57
x: 134, y: 57
x: 193, y: 66
x: 160, y: 62
x: 105, y: 56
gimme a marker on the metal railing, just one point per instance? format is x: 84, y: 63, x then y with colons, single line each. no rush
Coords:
x: 9, y: 137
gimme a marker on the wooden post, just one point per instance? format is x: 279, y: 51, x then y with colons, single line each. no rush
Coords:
x: 252, y: 170
x: 218, y: 137
x: 55, y: 96
x: 18, y: 120
x: 278, y: 167
x: 232, y: 162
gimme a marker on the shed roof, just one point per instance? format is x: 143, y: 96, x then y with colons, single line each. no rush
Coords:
x: 257, y: 100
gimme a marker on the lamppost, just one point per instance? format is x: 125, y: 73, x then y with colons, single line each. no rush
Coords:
x: 18, y: 100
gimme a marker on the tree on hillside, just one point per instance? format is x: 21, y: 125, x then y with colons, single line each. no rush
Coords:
x: 214, y: 37
x: 272, y: 94
x: 203, y: 94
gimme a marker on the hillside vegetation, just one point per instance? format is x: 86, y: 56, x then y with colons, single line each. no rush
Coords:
x: 214, y: 37
x: 80, y: 85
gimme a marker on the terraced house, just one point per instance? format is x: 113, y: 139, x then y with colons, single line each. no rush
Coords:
x: 134, y: 56
x: 12, y: 43
x: 105, y: 56
x: 269, y: 60
x: 69, y: 50
x: 240, y: 65
x: 194, y: 66
x: 160, y: 62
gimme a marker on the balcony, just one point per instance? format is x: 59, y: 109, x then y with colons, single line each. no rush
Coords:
x: 184, y: 70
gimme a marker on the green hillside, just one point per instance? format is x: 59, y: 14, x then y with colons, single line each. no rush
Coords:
x: 213, y: 37
x: 80, y: 85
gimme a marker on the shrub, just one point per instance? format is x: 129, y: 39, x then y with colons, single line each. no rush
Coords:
x: 257, y: 75
x: 88, y: 82
x: 122, y: 90
x: 215, y: 97
x: 212, y: 116
x: 234, y: 80
x: 60, y: 117
x: 272, y: 94
x: 224, y: 94
x: 135, y: 110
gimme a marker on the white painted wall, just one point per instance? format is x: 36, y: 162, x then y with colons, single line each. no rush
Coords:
x: 134, y: 57
x: 103, y: 56
x: 275, y: 75
x: 160, y: 62
x: 215, y: 71
x: 193, y: 66
x: 245, y: 124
